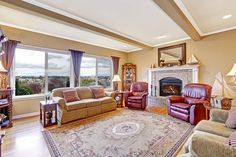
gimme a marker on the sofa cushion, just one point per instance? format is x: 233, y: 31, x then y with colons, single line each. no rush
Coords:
x: 84, y: 92
x: 231, y: 121
x: 98, y: 91
x: 214, y: 128
x: 76, y: 105
x: 106, y: 99
x: 70, y: 95
x: 92, y: 102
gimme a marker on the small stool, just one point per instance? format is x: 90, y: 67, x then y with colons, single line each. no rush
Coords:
x: 48, y: 113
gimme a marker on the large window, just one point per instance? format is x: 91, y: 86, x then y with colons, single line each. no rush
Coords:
x: 95, y: 71
x: 37, y: 72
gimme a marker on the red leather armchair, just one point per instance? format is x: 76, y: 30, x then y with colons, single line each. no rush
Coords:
x: 137, y: 96
x: 189, y: 107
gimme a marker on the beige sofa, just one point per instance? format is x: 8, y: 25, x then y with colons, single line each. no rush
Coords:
x: 86, y: 107
x: 209, y: 136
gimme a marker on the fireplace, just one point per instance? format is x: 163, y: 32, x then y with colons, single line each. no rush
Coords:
x: 170, y: 86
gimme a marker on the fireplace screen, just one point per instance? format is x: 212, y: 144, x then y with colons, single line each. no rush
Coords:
x: 170, y: 86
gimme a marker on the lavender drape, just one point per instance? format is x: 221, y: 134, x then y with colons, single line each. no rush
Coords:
x: 115, y: 61
x: 76, y: 59
x: 8, y: 48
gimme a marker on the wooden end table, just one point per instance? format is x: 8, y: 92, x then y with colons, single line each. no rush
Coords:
x: 48, y: 113
x: 119, y: 97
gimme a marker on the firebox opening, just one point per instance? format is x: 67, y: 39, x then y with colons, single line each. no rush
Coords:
x: 170, y: 86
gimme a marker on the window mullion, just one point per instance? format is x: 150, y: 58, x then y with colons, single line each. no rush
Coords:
x: 46, y: 72
x: 96, y: 72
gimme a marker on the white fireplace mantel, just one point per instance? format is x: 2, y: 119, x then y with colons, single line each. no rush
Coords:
x: 186, y: 73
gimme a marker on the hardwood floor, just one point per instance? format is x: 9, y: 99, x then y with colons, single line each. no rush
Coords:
x: 25, y: 139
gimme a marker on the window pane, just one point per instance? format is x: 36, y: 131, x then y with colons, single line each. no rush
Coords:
x: 29, y: 71
x: 58, y: 71
x: 88, y: 71
x: 104, y: 72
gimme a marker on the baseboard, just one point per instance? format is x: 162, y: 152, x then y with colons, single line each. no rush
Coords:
x: 26, y: 115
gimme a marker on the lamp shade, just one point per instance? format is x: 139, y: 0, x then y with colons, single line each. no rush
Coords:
x: 116, y: 78
x: 2, y: 69
x: 232, y: 71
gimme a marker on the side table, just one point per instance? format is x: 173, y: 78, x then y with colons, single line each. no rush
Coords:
x: 119, y: 97
x: 48, y: 113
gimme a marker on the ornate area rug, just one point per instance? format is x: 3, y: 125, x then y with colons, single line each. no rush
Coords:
x: 121, y: 133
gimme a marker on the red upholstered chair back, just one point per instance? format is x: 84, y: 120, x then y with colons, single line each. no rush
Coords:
x: 197, y: 91
x: 139, y: 87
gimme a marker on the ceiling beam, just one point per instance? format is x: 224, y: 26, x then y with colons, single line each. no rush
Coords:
x: 39, y: 10
x: 175, y: 13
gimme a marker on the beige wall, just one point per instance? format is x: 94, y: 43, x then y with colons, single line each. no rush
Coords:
x: 39, y: 40
x: 216, y: 53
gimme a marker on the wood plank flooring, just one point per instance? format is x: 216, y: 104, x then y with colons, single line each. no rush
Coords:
x: 25, y: 138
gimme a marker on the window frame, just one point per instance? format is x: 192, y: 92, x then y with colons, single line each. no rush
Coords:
x: 45, y: 51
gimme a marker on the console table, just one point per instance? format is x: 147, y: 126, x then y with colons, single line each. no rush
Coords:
x: 6, y: 106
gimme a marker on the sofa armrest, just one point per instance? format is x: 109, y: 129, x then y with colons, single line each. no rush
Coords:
x: 205, y: 144
x: 110, y: 94
x: 175, y: 98
x: 218, y: 115
x: 61, y: 102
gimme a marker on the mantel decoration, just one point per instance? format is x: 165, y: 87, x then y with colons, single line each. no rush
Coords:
x: 192, y: 60
x: 172, y: 55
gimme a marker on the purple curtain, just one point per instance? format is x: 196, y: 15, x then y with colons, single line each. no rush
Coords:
x: 76, y: 59
x: 115, y: 61
x: 8, y: 48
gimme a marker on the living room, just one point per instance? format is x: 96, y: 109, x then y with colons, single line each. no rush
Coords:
x: 113, y: 36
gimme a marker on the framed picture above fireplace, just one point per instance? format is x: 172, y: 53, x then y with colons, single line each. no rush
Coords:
x: 172, y: 55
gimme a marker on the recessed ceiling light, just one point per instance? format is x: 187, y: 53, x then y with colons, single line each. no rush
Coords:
x: 125, y: 46
x: 161, y: 37
x: 227, y: 16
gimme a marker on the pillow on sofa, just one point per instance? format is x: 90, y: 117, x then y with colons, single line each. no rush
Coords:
x: 70, y: 95
x: 231, y: 140
x: 98, y: 92
x: 231, y: 121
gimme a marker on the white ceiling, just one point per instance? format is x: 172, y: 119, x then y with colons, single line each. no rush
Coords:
x: 140, y: 20
x: 31, y: 22
x: 206, y: 15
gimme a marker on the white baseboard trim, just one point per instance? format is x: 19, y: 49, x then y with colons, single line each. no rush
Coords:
x: 26, y: 115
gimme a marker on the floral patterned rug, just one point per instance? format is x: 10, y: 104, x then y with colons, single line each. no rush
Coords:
x: 121, y: 133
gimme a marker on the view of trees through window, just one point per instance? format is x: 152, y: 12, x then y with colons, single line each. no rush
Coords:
x: 30, y: 68
x: 95, y: 71
x: 38, y: 72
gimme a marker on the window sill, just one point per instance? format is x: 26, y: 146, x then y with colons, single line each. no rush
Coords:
x: 28, y: 97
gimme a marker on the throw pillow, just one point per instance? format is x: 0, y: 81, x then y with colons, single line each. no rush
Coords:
x: 231, y: 121
x: 231, y: 140
x: 70, y: 95
x: 98, y: 92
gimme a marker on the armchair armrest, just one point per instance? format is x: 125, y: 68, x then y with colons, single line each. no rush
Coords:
x: 218, y: 115
x: 61, y: 102
x: 144, y: 94
x: 110, y: 94
x: 175, y: 98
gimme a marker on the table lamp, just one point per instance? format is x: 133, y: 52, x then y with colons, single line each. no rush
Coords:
x: 3, y: 72
x: 115, y: 80
x: 233, y: 73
